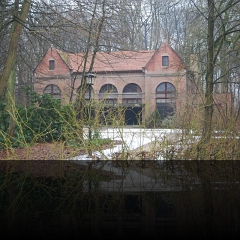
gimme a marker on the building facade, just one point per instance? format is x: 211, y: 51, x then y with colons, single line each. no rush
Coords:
x: 139, y: 81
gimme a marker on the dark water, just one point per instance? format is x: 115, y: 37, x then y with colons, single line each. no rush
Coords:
x: 127, y: 199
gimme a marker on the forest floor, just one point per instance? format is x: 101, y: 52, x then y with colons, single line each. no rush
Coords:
x: 45, y: 151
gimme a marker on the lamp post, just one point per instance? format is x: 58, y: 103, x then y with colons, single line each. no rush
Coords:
x: 90, y: 81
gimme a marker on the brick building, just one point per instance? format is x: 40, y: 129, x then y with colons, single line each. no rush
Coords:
x: 138, y: 81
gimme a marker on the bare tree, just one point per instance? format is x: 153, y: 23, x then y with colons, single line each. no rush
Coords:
x: 13, y: 45
x: 215, y: 42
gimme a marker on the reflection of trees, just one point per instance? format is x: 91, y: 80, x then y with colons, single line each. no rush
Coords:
x: 210, y: 191
x: 166, y: 198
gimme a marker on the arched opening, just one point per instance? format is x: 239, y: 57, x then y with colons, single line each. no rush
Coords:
x: 165, y: 99
x: 108, y: 224
x: 132, y: 218
x: 165, y: 219
x: 108, y: 95
x: 132, y: 94
x: 132, y: 100
x: 53, y: 90
x: 85, y: 94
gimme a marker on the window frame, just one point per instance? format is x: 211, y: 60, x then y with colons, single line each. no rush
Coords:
x: 51, y: 64
x: 166, y: 98
x: 55, y: 95
x: 166, y: 91
x: 165, y: 61
x: 109, y: 94
x: 132, y: 94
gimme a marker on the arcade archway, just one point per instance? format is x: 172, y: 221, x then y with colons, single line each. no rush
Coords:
x: 132, y: 101
x: 165, y: 99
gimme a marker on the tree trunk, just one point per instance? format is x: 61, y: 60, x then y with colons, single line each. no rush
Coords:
x: 10, y: 94
x: 10, y: 97
x: 83, y: 85
x: 208, y: 108
x: 13, y: 45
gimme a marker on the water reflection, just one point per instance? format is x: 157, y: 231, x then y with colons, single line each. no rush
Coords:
x: 125, y: 198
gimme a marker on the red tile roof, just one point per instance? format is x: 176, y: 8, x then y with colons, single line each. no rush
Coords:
x: 109, y: 61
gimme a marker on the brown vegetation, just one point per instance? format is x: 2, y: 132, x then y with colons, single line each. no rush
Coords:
x: 45, y: 151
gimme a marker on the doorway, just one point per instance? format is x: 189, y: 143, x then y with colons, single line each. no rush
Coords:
x: 133, y: 115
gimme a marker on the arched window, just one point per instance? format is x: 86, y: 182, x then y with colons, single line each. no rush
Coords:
x: 165, y: 99
x: 53, y: 90
x: 108, y: 93
x: 132, y: 93
x: 166, y: 87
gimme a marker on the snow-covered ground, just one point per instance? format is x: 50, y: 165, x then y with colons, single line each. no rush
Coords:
x: 132, y: 138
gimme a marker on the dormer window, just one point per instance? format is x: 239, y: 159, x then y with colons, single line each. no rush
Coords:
x: 165, y: 61
x: 51, y: 64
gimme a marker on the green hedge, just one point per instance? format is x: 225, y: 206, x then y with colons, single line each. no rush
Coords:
x: 44, y: 120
